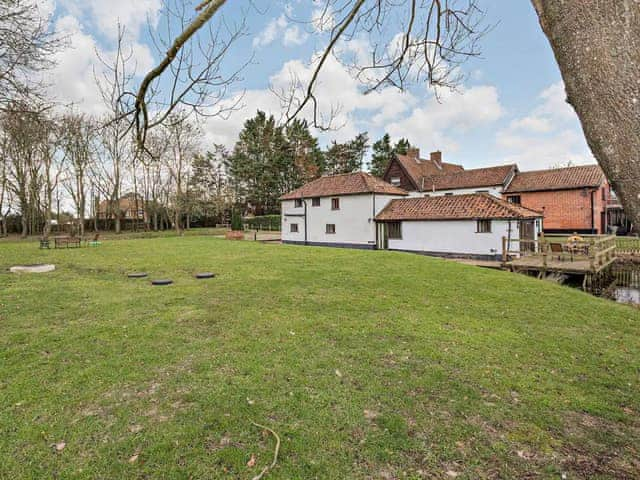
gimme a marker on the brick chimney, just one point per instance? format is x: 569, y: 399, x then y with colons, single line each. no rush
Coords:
x: 413, y: 152
x: 436, y: 158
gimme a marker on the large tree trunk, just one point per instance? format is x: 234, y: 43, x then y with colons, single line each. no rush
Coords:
x: 597, y: 46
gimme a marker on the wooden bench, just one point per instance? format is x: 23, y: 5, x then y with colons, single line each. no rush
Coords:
x: 67, y: 242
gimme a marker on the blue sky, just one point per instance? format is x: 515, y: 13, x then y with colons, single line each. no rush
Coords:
x: 510, y: 109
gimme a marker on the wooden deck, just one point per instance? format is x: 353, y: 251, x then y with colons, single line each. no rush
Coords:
x: 536, y: 263
x: 554, y: 254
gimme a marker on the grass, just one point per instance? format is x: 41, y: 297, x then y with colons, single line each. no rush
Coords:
x: 124, y: 235
x: 367, y: 364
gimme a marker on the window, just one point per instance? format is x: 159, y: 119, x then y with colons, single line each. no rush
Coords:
x: 448, y: 194
x: 483, y: 226
x: 294, y: 228
x: 315, y: 202
x: 395, y: 181
x: 335, y: 204
x: 482, y: 191
x: 298, y: 202
x: 394, y: 230
x: 515, y: 199
x: 331, y: 228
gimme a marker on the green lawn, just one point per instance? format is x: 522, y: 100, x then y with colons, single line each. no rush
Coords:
x: 373, y: 365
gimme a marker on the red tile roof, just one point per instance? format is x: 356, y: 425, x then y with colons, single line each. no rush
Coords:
x: 344, y: 184
x: 454, y: 207
x: 478, y: 177
x: 419, y: 168
x: 557, y: 179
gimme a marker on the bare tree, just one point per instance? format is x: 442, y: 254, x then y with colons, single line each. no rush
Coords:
x: 5, y: 202
x: 22, y: 149
x: 115, y: 149
x: 191, y: 65
x: 77, y: 137
x: 52, y: 168
x: 182, y: 137
x: 26, y: 48
x: 410, y: 41
x: 597, y: 46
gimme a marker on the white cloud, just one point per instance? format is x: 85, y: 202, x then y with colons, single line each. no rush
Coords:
x: 294, y: 35
x: 549, y: 135
x: 442, y: 124
x: 270, y: 32
x: 105, y: 15
x: 280, y: 27
x: 72, y: 79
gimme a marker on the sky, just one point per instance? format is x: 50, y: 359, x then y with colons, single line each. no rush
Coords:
x: 509, y: 109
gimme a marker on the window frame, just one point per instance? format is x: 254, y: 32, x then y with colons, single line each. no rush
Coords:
x: 335, y: 203
x: 293, y: 228
x: 392, y: 233
x: 315, y: 202
x: 327, y: 230
x: 512, y: 199
x: 483, y: 221
x: 396, y: 181
x: 297, y: 203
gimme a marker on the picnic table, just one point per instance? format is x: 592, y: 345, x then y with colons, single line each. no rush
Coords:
x: 66, y: 241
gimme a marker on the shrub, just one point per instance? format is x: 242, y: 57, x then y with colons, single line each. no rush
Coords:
x: 236, y: 221
x: 264, y: 222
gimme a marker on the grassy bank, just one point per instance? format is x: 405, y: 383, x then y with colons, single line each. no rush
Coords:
x: 367, y: 365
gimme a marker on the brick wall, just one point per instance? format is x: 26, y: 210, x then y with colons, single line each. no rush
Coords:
x: 568, y: 210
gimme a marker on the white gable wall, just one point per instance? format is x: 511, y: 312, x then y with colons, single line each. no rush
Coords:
x: 354, y: 220
x: 454, y: 237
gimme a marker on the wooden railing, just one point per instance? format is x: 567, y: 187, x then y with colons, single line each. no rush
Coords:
x: 599, y: 250
x: 628, y: 246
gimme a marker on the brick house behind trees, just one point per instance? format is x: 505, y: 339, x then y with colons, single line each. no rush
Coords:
x: 126, y: 205
x: 573, y: 199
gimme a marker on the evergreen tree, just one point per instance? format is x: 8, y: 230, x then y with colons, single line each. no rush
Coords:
x: 402, y: 146
x: 382, y: 154
x: 306, y: 160
x: 255, y: 165
x: 269, y: 160
x: 347, y: 157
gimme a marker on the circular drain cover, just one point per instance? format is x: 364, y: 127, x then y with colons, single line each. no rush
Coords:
x: 205, y: 275
x: 161, y: 282
x: 137, y: 275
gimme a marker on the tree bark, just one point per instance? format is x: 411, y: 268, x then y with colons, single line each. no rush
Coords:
x: 597, y: 47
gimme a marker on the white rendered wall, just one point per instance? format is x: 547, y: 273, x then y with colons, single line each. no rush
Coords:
x: 453, y: 236
x: 354, y: 220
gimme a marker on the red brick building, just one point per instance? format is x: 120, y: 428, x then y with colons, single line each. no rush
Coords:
x: 573, y: 199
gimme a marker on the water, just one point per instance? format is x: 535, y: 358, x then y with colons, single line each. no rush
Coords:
x: 627, y: 282
x: 620, y: 282
x: 627, y: 295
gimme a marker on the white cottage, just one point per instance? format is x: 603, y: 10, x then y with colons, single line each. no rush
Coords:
x: 336, y: 210
x: 468, y: 226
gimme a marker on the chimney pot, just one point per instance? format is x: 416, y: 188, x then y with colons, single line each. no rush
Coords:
x: 413, y: 152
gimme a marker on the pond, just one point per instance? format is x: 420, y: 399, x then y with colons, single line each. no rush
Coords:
x: 627, y: 282
x: 627, y: 295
